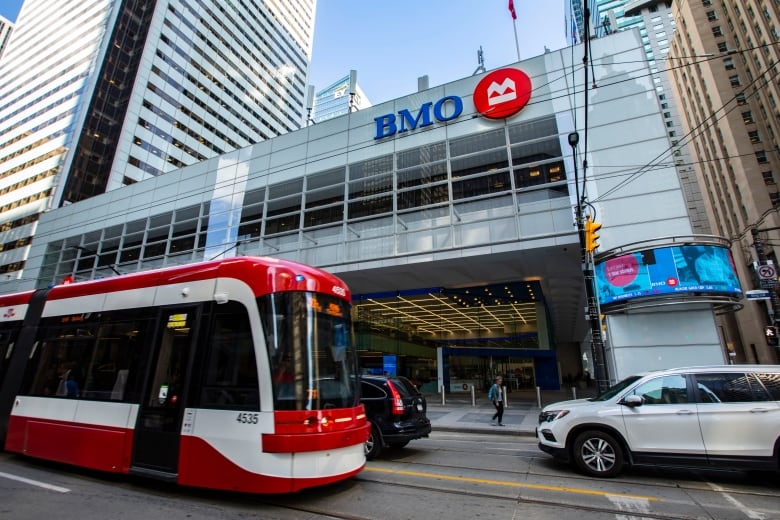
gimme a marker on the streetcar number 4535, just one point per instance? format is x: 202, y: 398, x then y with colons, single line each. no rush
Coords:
x: 248, y: 418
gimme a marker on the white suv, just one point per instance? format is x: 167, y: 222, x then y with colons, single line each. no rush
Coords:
x: 727, y: 416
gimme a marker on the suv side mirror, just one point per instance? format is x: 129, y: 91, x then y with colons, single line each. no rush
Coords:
x: 632, y: 400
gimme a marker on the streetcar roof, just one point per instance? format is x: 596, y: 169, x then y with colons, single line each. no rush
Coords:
x: 263, y: 274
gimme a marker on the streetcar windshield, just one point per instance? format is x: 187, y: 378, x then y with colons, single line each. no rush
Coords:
x: 309, y: 341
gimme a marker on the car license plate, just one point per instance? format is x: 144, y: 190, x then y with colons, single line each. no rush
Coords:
x: 419, y: 407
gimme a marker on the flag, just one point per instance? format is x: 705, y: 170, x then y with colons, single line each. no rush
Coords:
x: 512, y: 9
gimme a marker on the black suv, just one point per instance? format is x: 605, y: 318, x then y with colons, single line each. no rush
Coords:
x: 396, y: 411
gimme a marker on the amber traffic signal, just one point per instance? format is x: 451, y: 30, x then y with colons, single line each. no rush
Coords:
x: 591, y: 234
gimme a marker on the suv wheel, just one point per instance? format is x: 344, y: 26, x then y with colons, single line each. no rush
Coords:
x: 374, y: 443
x: 598, y: 454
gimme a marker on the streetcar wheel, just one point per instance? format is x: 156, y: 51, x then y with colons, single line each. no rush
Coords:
x: 374, y: 443
x: 598, y: 454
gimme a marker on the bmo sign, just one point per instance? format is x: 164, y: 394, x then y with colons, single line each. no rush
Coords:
x: 500, y: 94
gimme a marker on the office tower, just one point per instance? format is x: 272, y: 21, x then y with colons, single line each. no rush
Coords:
x: 6, y: 27
x: 574, y: 14
x: 100, y: 94
x: 339, y: 98
x: 725, y: 77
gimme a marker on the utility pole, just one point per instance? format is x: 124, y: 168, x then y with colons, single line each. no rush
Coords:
x: 589, y: 240
x: 587, y: 232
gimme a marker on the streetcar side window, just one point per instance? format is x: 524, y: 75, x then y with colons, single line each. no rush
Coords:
x: 230, y: 371
x: 8, y: 334
x: 60, y: 362
x: 90, y: 356
x: 116, y: 350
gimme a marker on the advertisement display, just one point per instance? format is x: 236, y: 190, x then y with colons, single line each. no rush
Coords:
x: 676, y: 270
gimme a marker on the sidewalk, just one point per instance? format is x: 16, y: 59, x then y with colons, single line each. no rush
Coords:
x: 521, y: 415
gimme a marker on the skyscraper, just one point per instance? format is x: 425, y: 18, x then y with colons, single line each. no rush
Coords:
x: 6, y: 27
x: 574, y: 14
x: 339, y: 98
x: 100, y: 94
x: 725, y: 77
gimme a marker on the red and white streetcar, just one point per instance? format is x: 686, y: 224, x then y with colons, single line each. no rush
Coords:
x: 235, y: 374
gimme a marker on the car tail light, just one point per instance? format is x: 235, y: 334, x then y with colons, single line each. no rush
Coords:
x: 398, y: 403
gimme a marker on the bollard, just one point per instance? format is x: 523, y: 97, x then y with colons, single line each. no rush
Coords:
x: 506, y: 397
x: 473, y: 397
x: 538, y: 397
x: 574, y: 392
x: 442, y: 395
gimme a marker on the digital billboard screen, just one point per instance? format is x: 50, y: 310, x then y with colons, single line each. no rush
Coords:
x: 666, y: 271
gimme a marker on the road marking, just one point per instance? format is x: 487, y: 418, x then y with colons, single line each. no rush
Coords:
x: 630, y: 505
x: 511, y: 484
x: 43, y: 485
x: 755, y: 515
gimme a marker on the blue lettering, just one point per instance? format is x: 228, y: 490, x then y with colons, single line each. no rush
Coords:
x: 406, y: 117
x: 385, y: 126
x: 438, y: 113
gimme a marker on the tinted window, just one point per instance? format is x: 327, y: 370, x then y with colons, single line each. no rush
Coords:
x: 771, y: 383
x: 728, y: 388
x: 663, y: 390
x: 230, y: 374
x: 89, y: 355
x: 404, y: 387
x: 370, y: 391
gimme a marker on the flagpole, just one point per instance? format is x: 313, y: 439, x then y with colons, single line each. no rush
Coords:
x: 517, y: 43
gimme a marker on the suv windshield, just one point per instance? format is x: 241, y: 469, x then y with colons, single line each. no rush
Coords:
x: 619, y: 387
x: 309, y: 342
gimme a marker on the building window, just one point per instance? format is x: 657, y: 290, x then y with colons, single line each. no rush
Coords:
x: 717, y: 31
x: 711, y: 16
x: 747, y: 117
x: 728, y: 63
x: 754, y: 137
x: 741, y: 98
x: 769, y: 179
x: 734, y: 80
x: 761, y: 157
x: 706, y: 3
x: 723, y: 47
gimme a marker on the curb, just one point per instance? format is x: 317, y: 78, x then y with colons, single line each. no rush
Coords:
x: 492, y: 431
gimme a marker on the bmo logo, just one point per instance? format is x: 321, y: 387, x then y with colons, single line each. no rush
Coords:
x: 500, y: 94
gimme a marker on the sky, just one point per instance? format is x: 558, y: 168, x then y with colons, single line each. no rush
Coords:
x: 392, y: 43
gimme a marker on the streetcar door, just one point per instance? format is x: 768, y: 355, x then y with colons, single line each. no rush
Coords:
x: 156, y: 441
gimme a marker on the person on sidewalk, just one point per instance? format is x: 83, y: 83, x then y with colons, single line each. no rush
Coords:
x: 495, y: 394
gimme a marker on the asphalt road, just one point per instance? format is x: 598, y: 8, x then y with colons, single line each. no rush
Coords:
x: 453, y: 475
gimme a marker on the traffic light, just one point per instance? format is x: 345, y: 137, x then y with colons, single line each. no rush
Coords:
x: 591, y: 234
x: 771, y: 335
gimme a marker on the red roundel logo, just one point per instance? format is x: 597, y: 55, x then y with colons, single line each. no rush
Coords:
x: 502, y: 93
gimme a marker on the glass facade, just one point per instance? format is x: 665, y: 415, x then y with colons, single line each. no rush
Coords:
x: 523, y: 158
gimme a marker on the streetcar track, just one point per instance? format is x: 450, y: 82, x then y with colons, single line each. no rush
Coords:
x: 524, y: 500
x: 675, y: 483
